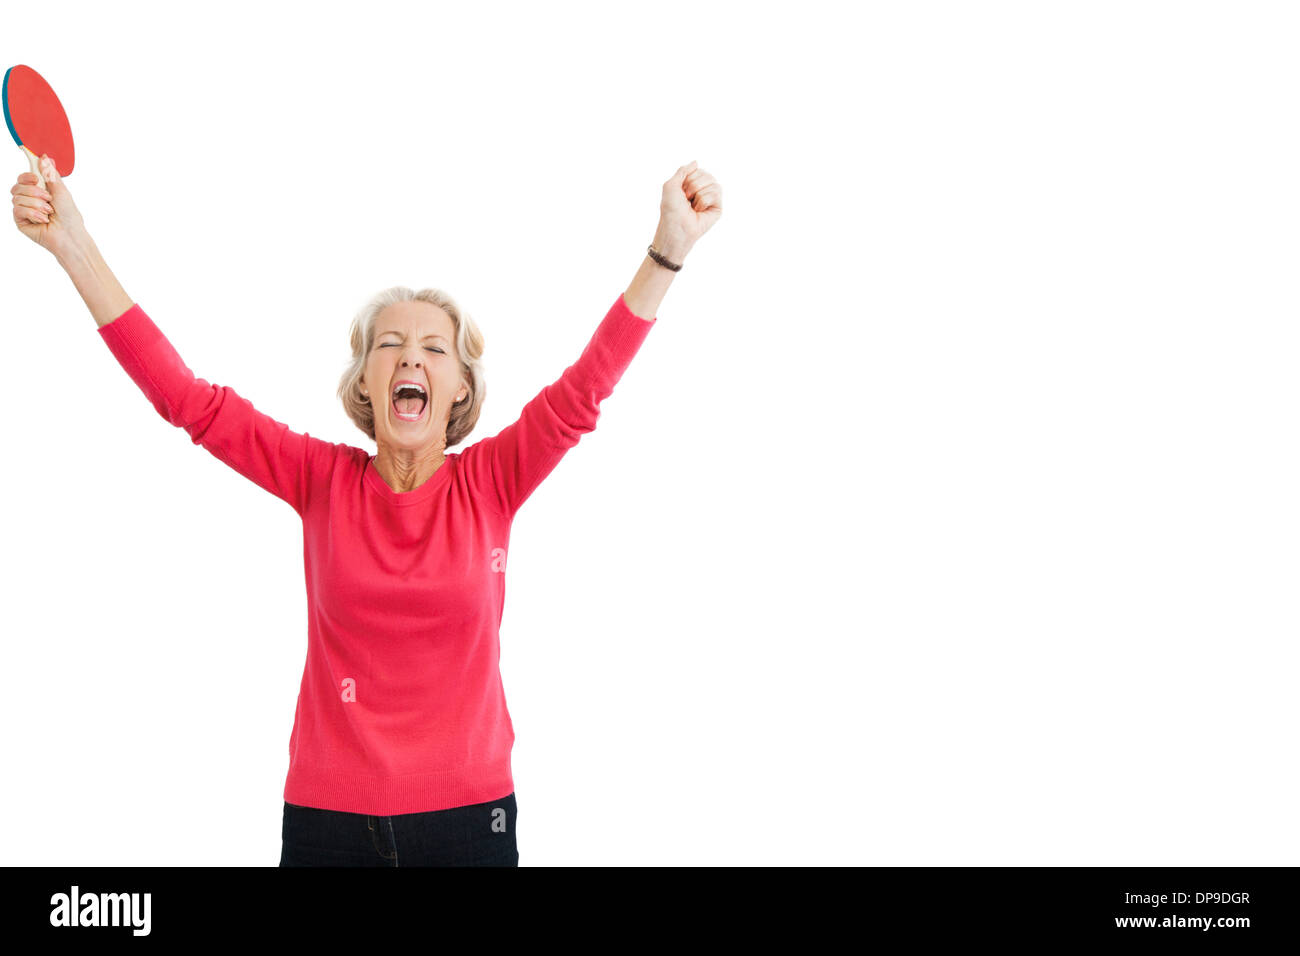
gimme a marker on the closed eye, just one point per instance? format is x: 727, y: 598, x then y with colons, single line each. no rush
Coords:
x: 429, y: 347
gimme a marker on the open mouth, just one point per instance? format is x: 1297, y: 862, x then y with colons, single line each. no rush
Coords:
x: 409, y: 402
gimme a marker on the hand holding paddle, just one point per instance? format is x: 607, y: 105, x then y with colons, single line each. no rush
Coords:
x: 58, y: 231
x: 38, y: 125
x: 43, y: 207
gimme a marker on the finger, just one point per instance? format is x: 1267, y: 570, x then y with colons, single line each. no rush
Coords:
x: 695, y: 189
x: 24, y: 214
x: 37, y: 202
x: 36, y: 191
x: 31, y: 202
x: 708, y: 196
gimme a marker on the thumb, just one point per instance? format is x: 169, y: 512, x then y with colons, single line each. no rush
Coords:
x: 50, y: 174
x: 684, y: 171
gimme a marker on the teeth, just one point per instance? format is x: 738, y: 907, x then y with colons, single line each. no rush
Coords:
x: 419, y: 388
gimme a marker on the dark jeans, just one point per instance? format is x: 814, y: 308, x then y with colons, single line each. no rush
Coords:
x: 482, y: 834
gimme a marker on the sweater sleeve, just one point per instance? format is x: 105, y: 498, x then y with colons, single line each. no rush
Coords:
x: 261, y: 449
x: 511, y: 464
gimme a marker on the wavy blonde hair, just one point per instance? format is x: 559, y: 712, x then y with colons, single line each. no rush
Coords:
x: 469, y: 349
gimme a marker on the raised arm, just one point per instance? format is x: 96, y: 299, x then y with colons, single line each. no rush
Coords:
x: 294, y: 467
x: 510, y: 465
x: 289, y: 465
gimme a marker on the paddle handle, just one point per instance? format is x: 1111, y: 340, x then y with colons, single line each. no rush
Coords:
x: 35, y: 162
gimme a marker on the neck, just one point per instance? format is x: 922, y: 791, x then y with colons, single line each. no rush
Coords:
x: 406, y: 471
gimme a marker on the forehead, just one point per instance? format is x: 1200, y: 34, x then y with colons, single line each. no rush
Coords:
x: 414, y: 318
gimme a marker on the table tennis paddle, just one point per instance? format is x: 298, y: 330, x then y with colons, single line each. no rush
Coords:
x: 36, y: 120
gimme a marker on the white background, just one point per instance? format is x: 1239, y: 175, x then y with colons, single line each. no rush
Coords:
x: 948, y: 515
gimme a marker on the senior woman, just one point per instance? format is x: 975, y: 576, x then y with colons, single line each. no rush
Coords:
x: 400, y: 749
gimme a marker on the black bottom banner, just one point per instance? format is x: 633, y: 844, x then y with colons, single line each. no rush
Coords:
x: 1221, y: 907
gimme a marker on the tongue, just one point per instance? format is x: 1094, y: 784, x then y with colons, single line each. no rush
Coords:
x: 409, y: 406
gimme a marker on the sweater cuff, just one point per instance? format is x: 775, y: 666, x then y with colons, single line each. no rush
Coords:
x: 133, y: 328
x: 616, y: 340
x: 622, y: 307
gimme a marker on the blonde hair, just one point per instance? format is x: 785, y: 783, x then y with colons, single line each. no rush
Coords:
x: 469, y: 349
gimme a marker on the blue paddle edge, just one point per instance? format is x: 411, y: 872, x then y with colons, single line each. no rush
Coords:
x: 5, y: 96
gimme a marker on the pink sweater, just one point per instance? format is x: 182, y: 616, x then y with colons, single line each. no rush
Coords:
x: 401, y: 707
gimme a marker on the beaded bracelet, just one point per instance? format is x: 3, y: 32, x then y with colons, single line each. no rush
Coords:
x: 675, y: 266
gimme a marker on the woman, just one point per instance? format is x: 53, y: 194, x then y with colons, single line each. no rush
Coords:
x: 400, y: 750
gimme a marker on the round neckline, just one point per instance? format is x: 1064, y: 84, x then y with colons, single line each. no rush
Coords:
x: 416, y: 495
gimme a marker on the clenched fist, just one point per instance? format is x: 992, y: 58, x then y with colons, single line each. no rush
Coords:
x: 691, y: 204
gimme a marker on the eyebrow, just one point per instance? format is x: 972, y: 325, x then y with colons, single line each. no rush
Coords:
x: 431, y: 335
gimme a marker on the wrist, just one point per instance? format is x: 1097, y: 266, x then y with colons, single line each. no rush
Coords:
x: 75, y: 252
x: 672, y: 246
x: 674, y: 252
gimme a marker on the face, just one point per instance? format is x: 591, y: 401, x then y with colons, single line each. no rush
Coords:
x: 414, y: 342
